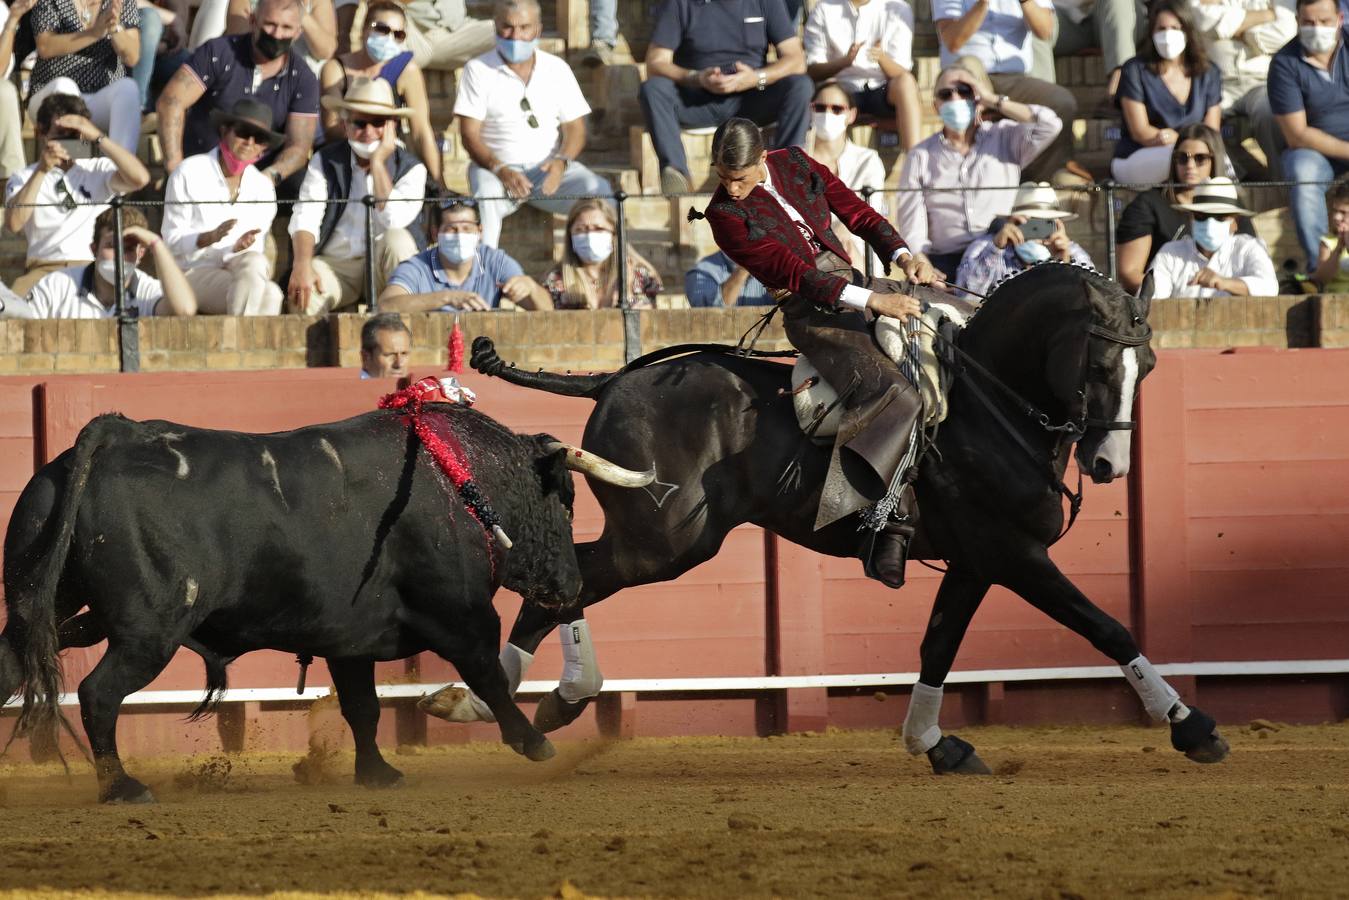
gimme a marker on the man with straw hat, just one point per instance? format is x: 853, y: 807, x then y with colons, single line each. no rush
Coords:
x: 328, y: 227
x: 1033, y: 233
x: 1213, y: 260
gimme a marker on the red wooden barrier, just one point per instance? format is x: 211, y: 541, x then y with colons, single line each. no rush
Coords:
x: 1229, y: 543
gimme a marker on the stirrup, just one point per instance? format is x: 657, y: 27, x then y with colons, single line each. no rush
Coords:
x: 890, y: 548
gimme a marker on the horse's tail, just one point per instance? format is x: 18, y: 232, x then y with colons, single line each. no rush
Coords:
x: 31, y: 639
x: 485, y: 360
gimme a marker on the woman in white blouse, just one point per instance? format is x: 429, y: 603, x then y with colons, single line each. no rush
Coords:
x: 1213, y: 260
x: 220, y: 244
x: 832, y: 113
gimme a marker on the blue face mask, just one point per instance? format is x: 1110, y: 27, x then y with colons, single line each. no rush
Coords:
x: 382, y: 47
x: 516, y: 51
x: 957, y: 114
x: 1032, y: 252
x: 456, y: 247
x: 1211, y: 234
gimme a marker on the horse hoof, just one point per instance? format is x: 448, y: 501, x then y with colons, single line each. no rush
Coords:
x: 388, y: 778
x: 952, y: 756
x: 553, y: 712
x: 540, y: 751
x: 1213, y: 750
x: 127, y: 790
x: 455, y: 704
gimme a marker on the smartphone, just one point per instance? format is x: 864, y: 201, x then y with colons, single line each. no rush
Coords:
x: 728, y: 69
x: 1037, y: 229
x: 77, y: 148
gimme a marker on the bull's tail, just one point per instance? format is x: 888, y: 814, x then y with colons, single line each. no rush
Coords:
x: 31, y: 641
x: 485, y: 360
x: 217, y: 681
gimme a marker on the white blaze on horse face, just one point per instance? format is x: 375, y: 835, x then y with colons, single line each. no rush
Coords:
x: 1114, y: 450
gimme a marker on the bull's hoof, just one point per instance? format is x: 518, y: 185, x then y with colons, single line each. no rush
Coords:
x: 455, y: 704
x: 127, y: 790
x: 382, y: 776
x: 1197, y: 737
x: 952, y: 756
x: 553, y: 711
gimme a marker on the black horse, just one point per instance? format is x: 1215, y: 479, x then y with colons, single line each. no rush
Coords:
x: 1054, y: 357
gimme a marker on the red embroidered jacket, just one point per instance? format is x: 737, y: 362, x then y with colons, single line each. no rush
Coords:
x: 759, y: 235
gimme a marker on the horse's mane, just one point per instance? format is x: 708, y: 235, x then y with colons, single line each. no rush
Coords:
x: 1000, y: 288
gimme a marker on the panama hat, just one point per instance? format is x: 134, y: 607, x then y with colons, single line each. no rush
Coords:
x: 1214, y: 195
x: 249, y: 112
x: 373, y: 96
x: 1039, y: 201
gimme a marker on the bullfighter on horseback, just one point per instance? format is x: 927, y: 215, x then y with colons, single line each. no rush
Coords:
x: 771, y: 213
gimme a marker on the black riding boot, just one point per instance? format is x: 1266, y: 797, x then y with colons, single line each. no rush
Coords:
x: 885, y: 552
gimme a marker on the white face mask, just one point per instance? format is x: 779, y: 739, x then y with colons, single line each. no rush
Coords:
x: 363, y: 149
x: 593, y: 246
x: 829, y: 125
x: 1170, y: 42
x: 107, y: 270
x: 1318, y: 38
x: 457, y: 246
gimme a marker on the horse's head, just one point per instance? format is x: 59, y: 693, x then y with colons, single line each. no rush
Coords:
x: 1116, y: 357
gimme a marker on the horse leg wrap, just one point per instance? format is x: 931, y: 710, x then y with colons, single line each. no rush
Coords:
x: 1158, y: 697
x: 921, y: 732
x: 514, y: 661
x: 1192, y: 731
x: 581, y: 678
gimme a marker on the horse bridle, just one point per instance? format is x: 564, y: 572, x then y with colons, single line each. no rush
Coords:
x: 1126, y: 340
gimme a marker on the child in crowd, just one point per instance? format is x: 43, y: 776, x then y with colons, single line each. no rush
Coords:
x: 1332, y: 269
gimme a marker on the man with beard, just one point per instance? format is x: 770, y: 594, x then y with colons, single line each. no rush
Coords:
x: 227, y: 69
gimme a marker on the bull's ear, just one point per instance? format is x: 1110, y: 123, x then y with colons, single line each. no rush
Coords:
x: 553, y: 472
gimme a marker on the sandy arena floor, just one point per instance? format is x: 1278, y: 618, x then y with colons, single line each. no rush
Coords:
x: 1070, y: 813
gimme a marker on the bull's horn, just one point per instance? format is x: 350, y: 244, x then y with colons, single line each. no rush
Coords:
x: 600, y: 468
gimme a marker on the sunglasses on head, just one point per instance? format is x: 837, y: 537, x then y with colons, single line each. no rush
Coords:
x: 837, y: 109
x: 1199, y: 159
x: 399, y: 34
x: 963, y: 90
x: 450, y: 203
x: 368, y: 123
x: 524, y: 105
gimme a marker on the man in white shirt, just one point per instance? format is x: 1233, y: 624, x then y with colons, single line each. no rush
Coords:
x: 328, y: 240
x: 522, y: 118
x: 55, y: 200
x: 867, y: 46
x: 1213, y: 260
x: 998, y: 33
x: 218, y: 209
x: 87, y: 292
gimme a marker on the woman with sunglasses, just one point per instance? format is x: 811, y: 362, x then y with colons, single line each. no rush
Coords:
x: 1150, y: 219
x: 383, y: 53
x: 956, y: 182
x: 1170, y: 84
x: 772, y: 215
x: 1214, y: 260
x: 832, y: 112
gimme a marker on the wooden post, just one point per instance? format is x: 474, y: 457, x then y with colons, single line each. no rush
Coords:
x: 795, y: 593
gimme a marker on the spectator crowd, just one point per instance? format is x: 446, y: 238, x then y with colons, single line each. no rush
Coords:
x: 310, y: 121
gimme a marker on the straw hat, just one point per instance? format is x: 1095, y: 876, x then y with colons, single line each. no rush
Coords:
x: 1214, y: 195
x: 373, y: 96
x: 249, y: 112
x: 1039, y: 201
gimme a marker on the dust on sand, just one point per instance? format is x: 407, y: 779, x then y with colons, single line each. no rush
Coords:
x: 1072, y: 812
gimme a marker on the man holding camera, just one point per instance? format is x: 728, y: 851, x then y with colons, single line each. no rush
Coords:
x: 1033, y: 233
x: 55, y: 200
x: 708, y: 62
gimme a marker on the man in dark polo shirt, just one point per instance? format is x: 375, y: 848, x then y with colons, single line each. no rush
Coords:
x: 1309, y: 95
x: 708, y: 61
x: 225, y: 70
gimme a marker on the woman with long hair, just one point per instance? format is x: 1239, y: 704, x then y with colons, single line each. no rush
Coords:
x: 1150, y: 221
x: 1170, y: 84
x: 771, y: 214
x: 587, y: 277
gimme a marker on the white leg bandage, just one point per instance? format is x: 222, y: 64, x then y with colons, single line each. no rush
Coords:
x: 581, y: 676
x: 1158, y: 697
x: 921, y: 732
x: 515, y: 661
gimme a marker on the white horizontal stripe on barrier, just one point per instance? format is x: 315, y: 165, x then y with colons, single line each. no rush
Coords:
x: 750, y: 683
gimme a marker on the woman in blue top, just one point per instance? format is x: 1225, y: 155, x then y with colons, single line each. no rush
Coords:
x: 383, y: 54
x: 1170, y: 84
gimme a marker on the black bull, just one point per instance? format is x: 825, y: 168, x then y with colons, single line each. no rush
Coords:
x: 726, y: 449
x: 341, y: 541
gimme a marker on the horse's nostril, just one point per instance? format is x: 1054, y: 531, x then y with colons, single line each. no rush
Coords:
x: 1101, y: 470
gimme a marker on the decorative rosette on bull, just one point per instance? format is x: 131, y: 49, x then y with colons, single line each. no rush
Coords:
x: 439, y: 440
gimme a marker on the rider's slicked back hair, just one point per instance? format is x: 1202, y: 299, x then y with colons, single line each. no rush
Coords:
x: 738, y: 144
